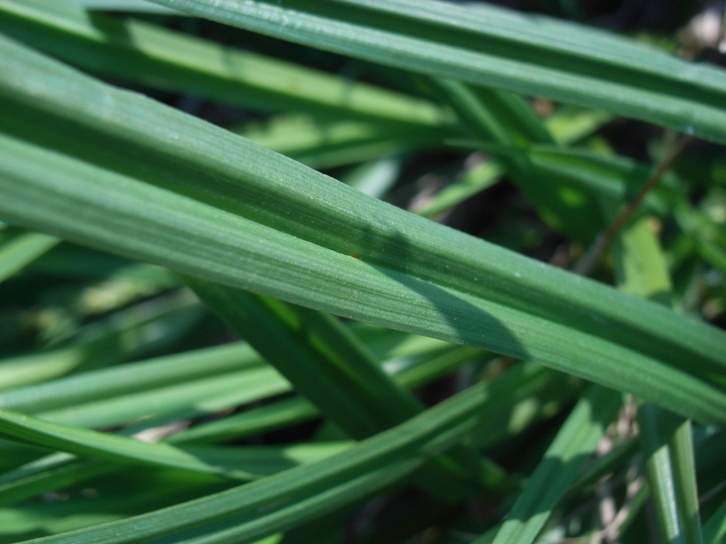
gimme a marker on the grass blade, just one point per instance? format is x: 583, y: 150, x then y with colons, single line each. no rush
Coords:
x: 285, y: 500
x: 20, y: 249
x: 575, y: 442
x: 234, y: 463
x: 666, y: 438
x: 491, y: 47
x: 327, y: 364
x: 412, y: 274
x: 173, y: 61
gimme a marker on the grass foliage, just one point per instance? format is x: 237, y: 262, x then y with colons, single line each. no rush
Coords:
x: 238, y: 304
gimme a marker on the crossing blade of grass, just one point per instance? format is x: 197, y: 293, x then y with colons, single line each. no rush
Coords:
x: 20, y: 249
x: 506, y: 120
x: 173, y: 61
x: 666, y: 438
x: 492, y: 47
x: 562, y: 463
x: 415, y: 362
x: 312, y: 351
x: 229, y: 462
x: 566, y: 126
x: 288, y: 499
x: 333, y: 370
x: 303, y: 230
x: 58, y: 471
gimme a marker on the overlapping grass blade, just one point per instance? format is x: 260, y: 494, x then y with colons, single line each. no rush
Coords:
x: 506, y: 120
x: 414, y: 361
x: 492, y: 47
x: 566, y: 126
x: 298, y: 233
x: 288, y: 499
x: 173, y: 61
x: 324, y: 362
x: 234, y: 463
x: 58, y: 471
x: 666, y: 438
x: 570, y: 450
x: 327, y: 365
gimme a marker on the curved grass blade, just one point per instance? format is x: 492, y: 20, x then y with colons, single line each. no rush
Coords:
x: 301, y: 231
x: 492, y: 47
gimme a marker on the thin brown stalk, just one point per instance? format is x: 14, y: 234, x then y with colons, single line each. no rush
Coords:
x: 596, y: 251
